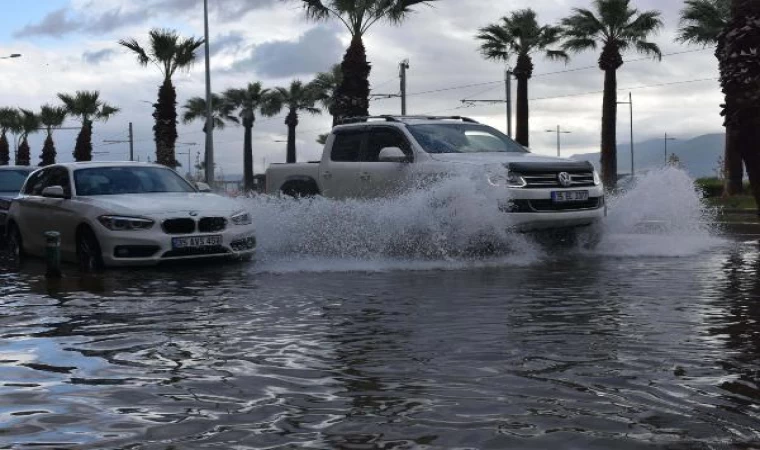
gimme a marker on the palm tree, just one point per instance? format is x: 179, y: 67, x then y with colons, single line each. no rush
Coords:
x: 738, y: 47
x: 195, y: 108
x: 9, y: 121
x: 352, y: 96
x: 326, y: 85
x: 297, y: 98
x: 616, y: 27
x: 169, y: 53
x: 51, y: 117
x: 248, y: 101
x: 519, y: 35
x: 30, y: 123
x: 88, y: 107
x: 702, y: 21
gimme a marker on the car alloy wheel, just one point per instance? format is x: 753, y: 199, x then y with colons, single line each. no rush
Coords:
x: 88, y: 252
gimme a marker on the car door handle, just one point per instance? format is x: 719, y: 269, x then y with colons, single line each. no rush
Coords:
x: 365, y: 176
x: 327, y: 175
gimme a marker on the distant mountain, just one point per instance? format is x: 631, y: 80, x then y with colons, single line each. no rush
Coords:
x: 699, y: 156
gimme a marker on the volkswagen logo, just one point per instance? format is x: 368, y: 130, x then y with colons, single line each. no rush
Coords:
x: 565, y: 179
x: 193, y: 213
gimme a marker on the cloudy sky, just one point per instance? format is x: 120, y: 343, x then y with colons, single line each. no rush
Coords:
x: 70, y: 45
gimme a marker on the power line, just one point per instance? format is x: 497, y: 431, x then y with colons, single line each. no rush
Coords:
x: 634, y: 88
x: 432, y: 91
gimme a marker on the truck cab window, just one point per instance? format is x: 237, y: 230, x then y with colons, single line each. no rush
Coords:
x: 380, y: 138
x: 346, y: 147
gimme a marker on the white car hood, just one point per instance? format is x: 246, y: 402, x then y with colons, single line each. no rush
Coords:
x: 165, y: 203
x: 482, y: 159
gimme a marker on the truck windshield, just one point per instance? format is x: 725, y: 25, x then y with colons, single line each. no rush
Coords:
x: 463, y: 138
x: 128, y: 180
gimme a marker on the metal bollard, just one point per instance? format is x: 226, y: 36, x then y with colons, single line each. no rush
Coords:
x: 53, y: 254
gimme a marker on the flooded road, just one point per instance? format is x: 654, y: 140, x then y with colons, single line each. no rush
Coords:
x: 652, y: 340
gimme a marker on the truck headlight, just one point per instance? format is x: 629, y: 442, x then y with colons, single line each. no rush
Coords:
x: 510, y: 179
x: 597, y: 180
x: 241, y: 218
x: 125, y: 223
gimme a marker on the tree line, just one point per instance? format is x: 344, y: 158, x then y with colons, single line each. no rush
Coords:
x: 611, y: 27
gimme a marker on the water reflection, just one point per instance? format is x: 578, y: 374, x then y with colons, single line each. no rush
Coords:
x: 572, y: 351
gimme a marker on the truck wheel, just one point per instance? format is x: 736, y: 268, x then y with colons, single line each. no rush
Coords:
x: 89, y: 255
x: 300, y: 189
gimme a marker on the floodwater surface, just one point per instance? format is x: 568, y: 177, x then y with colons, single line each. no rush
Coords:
x: 368, y: 326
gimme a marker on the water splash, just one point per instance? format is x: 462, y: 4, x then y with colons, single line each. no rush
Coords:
x: 456, y: 223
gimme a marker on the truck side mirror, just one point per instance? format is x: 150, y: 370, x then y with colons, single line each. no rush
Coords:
x: 202, y: 187
x: 392, y: 154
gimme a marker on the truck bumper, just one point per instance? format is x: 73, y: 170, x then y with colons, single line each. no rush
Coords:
x: 550, y: 220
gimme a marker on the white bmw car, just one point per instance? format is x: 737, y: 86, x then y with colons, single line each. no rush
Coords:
x: 118, y: 214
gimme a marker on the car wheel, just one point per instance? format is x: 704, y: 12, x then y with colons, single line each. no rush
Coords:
x: 89, y: 254
x: 15, y: 244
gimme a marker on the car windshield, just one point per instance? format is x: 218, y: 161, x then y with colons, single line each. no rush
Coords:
x: 463, y: 138
x: 128, y: 180
x: 12, y: 180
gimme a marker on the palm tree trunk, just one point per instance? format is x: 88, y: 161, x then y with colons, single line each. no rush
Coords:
x: 5, y: 151
x: 248, y: 156
x: 22, y: 155
x: 291, y: 121
x: 737, y: 51
x: 165, y: 129
x: 609, y: 129
x: 48, y: 152
x: 352, y: 96
x: 83, y: 148
x: 733, y: 166
x: 522, y: 134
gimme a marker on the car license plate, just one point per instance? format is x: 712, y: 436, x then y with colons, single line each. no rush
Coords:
x: 569, y: 196
x: 197, y: 241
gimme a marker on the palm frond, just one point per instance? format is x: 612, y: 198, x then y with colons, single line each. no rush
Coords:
x: 577, y: 45
x: 703, y: 20
x: 134, y: 46
x: 649, y: 49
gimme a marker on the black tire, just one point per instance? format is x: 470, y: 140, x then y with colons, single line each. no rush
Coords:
x: 89, y: 255
x: 300, y: 189
x: 15, y: 244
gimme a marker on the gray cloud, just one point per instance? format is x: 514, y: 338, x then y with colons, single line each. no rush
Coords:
x: 65, y: 21
x: 98, y: 56
x: 314, y: 51
x: 233, y: 41
x: 55, y: 24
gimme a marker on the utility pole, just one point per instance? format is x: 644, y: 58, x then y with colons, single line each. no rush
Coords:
x: 508, y: 75
x: 403, y: 66
x: 130, y: 141
x: 666, y: 146
x: 559, y: 132
x: 508, y: 98
x: 630, y: 104
x: 209, y: 110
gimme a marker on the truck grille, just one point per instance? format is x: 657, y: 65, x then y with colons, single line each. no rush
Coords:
x: 211, y: 224
x: 178, y: 226
x: 551, y: 180
x: 526, y: 206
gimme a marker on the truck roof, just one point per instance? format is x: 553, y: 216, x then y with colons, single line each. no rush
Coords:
x: 351, y: 122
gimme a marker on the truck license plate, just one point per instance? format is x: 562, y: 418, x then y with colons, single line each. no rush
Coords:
x: 197, y: 241
x: 569, y: 196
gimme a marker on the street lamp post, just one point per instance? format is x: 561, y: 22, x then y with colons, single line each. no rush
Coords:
x: 559, y: 132
x: 666, y: 146
x: 209, y: 110
x: 630, y: 104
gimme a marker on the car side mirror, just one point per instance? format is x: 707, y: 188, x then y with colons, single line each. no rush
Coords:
x: 54, y: 192
x: 392, y: 154
x: 202, y: 187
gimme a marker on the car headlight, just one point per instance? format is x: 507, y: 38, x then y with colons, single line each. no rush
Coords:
x: 597, y: 180
x: 124, y: 223
x: 241, y: 218
x: 509, y: 179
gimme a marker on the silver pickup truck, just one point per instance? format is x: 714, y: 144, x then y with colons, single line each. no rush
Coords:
x: 381, y: 156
